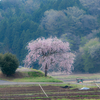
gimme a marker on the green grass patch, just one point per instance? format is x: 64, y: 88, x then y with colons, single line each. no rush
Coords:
x: 30, y: 73
x: 36, y: 79
x: 36, y: 74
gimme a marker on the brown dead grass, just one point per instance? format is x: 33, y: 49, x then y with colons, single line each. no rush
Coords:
x: 16, y: 75
x: 20, y: 73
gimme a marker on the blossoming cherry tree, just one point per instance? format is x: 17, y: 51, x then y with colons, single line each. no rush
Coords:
x: 50, y: 53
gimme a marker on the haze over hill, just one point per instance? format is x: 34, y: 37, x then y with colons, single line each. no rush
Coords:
x: 75, y: 21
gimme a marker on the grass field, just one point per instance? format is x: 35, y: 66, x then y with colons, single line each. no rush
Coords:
x: 74, y: 76
x: 29, y: 75
x: 36, y: 79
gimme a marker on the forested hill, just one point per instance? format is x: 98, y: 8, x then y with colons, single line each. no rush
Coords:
x: 75, y: 21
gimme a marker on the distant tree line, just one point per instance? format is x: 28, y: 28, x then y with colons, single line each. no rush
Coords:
x: 21, y: 21
x: 75, y: 21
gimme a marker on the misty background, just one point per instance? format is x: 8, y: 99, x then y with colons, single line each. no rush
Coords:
x: 75, y: 21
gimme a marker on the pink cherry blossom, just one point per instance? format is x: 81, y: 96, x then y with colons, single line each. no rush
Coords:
x: 51, y: 52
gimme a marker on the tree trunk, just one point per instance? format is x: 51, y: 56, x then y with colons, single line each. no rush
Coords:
x: 46, y: 70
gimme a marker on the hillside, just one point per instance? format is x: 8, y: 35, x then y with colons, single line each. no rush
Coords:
x: 75, y: 21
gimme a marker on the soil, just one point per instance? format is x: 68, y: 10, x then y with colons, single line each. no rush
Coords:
x: 53, y: 93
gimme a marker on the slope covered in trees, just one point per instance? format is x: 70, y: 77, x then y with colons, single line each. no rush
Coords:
x: 75, y: 21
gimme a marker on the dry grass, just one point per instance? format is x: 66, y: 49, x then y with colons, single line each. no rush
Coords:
x: 20, y: 73
x: 74, y: 76
x: 16, y: 75
x: 23, y: 69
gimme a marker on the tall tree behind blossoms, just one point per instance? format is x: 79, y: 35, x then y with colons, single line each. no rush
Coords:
x: 50, y: 53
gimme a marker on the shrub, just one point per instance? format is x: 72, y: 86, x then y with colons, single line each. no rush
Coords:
x: 9, y: 64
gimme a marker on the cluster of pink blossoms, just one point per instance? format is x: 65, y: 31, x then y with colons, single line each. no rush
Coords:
x: 50, y: 51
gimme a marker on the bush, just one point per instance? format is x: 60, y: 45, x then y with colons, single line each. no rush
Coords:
x: 9, y: 64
